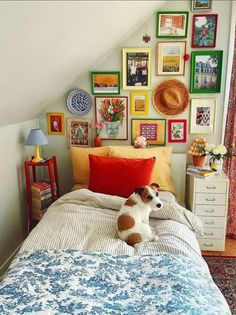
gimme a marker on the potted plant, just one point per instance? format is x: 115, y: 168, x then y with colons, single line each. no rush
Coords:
x: 197, y: 151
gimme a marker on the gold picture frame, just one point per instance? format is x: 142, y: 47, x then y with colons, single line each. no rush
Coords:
x: 79, y: 132
x: 139, y: 103
x: 55, y: 123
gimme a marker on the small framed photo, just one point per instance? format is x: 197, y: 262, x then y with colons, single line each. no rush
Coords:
x: 113, y: 111
x: 139, y: 104
x: 170, y: 58
x: 206, y: 69
x: 201, y: 5
x: 154, y: 130
x: 172, y: 24
x: 202, y: 116
x: 105, y: 83
x: 204, y: 30
x: 136, y: 68
x: 79, y: 132
x: 55, y: 123
x: 177, y: 130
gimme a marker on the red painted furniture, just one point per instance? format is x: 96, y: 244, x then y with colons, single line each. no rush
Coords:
x: 51, y: 164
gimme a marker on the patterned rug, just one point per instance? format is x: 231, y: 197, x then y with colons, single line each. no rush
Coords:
x: 223, y: 271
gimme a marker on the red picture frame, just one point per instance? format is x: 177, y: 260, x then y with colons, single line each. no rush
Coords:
x: 177, y: 130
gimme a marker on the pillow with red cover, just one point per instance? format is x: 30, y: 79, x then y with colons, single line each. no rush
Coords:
x: 119, y: 176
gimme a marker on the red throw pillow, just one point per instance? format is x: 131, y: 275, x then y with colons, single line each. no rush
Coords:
x: 119, y: 176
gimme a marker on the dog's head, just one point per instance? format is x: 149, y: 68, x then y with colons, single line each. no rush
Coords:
x: 150, y: 195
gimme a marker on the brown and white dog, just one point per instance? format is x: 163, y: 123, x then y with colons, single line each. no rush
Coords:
x: 133, y: 218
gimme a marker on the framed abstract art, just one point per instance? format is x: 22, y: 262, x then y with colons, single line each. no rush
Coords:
x: 139, y: 103
x: 105, y: 83
x: 79, y: 132
x: 177, y: 130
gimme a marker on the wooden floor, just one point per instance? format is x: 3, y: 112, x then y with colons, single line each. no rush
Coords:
x: 230, y: 249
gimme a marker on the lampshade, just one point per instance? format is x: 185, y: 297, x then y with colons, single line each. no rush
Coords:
x: 194, y: 147
x: 36, y: 137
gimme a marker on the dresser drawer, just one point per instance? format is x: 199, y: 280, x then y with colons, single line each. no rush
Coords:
x: 211, y: 186
x: 212, y: 222
x: 212, y: 244
x: 210, y: 210
x: 210, y: 233
x: 210, y: 199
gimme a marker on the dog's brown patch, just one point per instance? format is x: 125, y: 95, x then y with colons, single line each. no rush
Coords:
x: 155, y: 186
x: 130, y: 202
x: 133, y: 239
x: 144, y: 196
x: 125, y: 222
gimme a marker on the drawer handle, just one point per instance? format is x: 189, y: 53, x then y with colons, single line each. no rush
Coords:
x: 208, y: 245
x: 209, y: 234
x: 210, y: 199
x: 210, y: 210
x: 211, y: 187
x: 209, y: 222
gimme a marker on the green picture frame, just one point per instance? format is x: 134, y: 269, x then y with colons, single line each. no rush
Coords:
x: 206, y: 69
x: 172, y: 24
x: 105, y: 82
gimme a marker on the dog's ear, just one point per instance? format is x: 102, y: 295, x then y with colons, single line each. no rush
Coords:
x: 155, y: 186
x: 139, y: 190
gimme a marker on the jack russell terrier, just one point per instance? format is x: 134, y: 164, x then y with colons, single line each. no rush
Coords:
x: 133, y: 218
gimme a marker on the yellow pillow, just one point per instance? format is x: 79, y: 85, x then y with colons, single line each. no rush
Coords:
x: 162, y: 169
x: 80, y: 162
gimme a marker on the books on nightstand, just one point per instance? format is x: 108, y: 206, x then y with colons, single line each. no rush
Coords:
x: 200, y: 172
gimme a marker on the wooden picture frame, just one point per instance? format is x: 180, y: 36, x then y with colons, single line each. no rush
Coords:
x: 177, y: 130
x: 204, y: 29
x: 55, y: 123
x: 172, y: 24
x: 206, y: 69
x: 136, y: 68
x: 154, y: 130
x: 201, y: 5
x: 202, y: 116
x: 139, y: 103
x: 105, y: 82
x: 113, y: 111
x: 170, y: 57
x: 79, y: 132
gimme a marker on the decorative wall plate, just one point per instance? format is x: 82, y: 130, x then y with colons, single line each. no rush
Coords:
x: 79, y: 102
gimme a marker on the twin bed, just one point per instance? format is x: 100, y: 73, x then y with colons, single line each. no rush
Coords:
x: 73, y: 262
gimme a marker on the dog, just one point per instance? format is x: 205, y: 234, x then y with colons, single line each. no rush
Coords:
x: 133, y: 218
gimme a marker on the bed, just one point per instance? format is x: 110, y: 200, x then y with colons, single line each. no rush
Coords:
x: 72, y: 262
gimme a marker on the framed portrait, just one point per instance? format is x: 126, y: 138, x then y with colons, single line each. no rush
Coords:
x: 139, y: 104
x: 55, y: 123
x: 206, y: 68
x: 170, y: 57
x: 204, y: 30
x: 177, y: 130
x: 79, y: 132
x: 201, y: 5
x: 136, y: 68
x: 113, y: 111
x: 105, y: 83
x: 172, y: 24
x: 202, y: 116
x: 154, y: 130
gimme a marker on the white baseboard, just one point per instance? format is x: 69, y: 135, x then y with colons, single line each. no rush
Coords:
x: 6, y: 264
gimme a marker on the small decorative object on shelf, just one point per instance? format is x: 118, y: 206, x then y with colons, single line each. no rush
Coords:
x: 99, y: 125
x: 140, y: 142
x: 196, y: 150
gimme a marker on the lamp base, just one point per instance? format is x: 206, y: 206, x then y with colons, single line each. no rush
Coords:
x: 37, y: 157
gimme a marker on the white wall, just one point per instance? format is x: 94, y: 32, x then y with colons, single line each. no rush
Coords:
x: 13, y: 210
x: 58, y: 144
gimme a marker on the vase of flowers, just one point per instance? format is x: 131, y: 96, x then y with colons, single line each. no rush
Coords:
x: 97, y: 139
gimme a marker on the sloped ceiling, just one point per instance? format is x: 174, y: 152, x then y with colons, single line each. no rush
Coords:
x: 45, y: 46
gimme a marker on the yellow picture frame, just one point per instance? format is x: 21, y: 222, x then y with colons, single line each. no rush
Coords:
x: 56, y: 123
x: 139, y: 103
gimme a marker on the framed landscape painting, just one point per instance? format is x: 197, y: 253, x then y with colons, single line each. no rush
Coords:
x: 139, y: 103
x: 206, y: 68
x: 201, y: 5
x: 79, y: 132
x: 172, y: 24
x: 204, y: 30
x: 105, y: 83
x: 177, y: 130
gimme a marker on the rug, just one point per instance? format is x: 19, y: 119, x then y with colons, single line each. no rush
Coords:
x: 223, y: 271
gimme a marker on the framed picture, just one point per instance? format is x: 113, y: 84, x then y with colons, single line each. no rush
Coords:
x: 206, y: 68
x: 113, y: 111
x: 201, y: 5
x: 56, y: 123
x: 204, y: 30
x: 177, y: 130
x: 79, y: 132
x: 139, y: 104
x: 172, y: 24
x: 170, y: 58
x: 154, y: 130
x: 136, y: 68
x: 202, y: 116
x: 105, y: 83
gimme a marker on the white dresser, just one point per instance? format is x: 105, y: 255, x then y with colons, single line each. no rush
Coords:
x: 208, y: 199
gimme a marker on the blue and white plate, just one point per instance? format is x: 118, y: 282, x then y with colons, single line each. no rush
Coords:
x: 79, y: 102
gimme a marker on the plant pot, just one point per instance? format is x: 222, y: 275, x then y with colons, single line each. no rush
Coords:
x: 199, y: 160
x: 97, y: 141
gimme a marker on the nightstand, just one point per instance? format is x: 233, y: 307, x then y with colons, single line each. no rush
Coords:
x: 208, y: 199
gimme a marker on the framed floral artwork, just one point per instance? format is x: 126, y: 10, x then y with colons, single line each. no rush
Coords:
x: 177, y: 130
x: 79, y: 132
x: 204, y: 30
x: 202, y: 116
x: 55, y: 123
x: 206, y: 69
x: 105, y: 83
x: 170, y: 57
x: 136, y: 68
x: 154, y: 130
x: 139, y: 104
x: 113, y: 111
x: 172, y: 24
x: 201, y: 5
